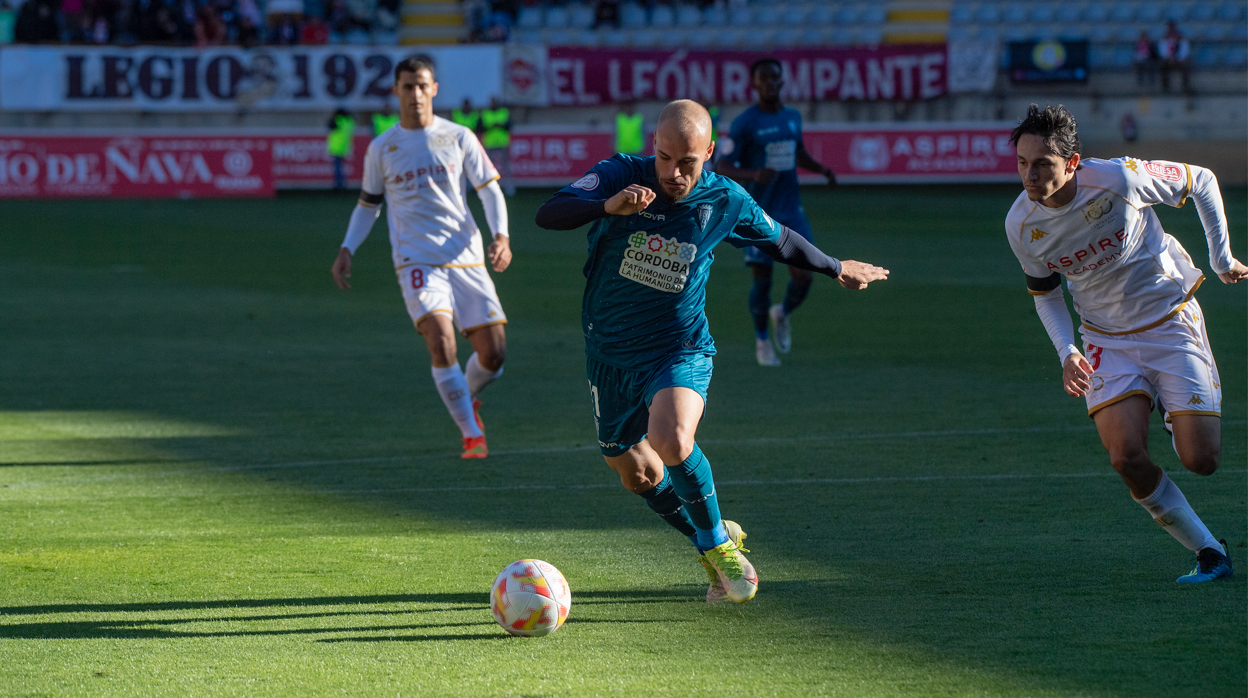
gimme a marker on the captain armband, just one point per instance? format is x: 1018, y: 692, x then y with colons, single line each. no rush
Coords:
x: 1038, y: 286
x: 371, y: 199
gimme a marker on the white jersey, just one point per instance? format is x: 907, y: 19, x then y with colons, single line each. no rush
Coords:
x: 422, y: 173
x: 1124, y: 272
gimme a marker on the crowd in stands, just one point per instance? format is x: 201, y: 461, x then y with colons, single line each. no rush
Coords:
x: 204, y: 22
x: 1172, y: 54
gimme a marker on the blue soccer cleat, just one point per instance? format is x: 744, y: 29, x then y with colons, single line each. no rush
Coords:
x: 1211, y: 564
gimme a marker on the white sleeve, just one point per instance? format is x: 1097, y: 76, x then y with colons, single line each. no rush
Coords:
x: 374, y: 180
x: 477, y: 166
x: 495, y: 208
x: 1051, y: 307
x: 1208, y: 199
x: 361, y: 224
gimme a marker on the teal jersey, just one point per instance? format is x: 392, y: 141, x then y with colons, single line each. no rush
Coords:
x: 645, y: 293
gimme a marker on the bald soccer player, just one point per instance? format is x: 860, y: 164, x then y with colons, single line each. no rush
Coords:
x: 648, y: 351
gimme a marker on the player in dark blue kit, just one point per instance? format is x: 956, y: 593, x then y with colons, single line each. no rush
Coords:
x: 766, y: 150
x: 647, y: 344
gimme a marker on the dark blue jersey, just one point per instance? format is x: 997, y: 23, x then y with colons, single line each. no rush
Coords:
x: 767, y: 140
x: 646, y: 274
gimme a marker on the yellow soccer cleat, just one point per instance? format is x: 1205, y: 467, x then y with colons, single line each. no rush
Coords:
x: 732, y: 576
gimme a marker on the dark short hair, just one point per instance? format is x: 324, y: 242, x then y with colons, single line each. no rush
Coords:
x: 414, y: 64
x: 762, y: 62
x: 1055, y: 125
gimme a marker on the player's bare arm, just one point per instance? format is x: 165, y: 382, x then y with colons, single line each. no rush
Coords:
x: 630, y: 200
x: 807, y: 162
x: 500, y: 253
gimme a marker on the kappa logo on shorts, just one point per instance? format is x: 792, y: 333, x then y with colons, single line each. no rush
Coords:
x: 589, y: 182
x: 1195, y: 400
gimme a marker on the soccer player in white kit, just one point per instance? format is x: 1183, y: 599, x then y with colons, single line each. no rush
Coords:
x: 419, y: 168
x: 1088, y: 221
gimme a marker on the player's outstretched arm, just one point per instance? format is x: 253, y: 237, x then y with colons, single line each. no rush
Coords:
x: 1207, y: 196
x: 856, y: 275
x: 796, y: 251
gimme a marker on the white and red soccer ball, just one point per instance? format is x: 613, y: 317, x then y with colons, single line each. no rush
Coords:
x: 530, y: 598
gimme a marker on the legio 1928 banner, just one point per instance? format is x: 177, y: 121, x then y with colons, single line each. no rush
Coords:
x: 134, y: 166
x: 584, y: 77
x: 155, y: 78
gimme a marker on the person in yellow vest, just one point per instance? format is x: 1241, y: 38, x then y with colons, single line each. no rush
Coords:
x: 383, y: 120
x: 629, y: 131
x: 467, y: 117
x: 341, y: 131
x: 496, y: 137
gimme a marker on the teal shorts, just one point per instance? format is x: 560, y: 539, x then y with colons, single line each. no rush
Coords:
x: 621, y: 397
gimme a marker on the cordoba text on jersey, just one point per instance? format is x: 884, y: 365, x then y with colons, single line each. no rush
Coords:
x: 1091, y: 251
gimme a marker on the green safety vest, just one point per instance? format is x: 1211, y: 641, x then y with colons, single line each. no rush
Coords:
x: 714, y: 112
x: 382, y: 122
x: 468, y: 119
x: 497, y: 132
x: 628, y: 134
x: 339, y: 142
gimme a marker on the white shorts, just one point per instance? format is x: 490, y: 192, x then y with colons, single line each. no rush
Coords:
x: 1171, y: 362
x: 465, y: 293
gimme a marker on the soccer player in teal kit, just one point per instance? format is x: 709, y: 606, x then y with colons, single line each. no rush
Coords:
x: 648, y: 349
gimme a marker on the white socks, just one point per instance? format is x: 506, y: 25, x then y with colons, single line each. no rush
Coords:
x: 1170, y: 509
x: 454, y: 391
x: 478, y: 377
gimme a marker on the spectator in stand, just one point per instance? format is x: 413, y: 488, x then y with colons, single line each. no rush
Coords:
x: 1145, y: 60
x: 285, y: 30
x: 102, y: 20
x: 154, y: 23
x: 315, y: 32
x: 74, y: 21
x: 1176, y: 53
x: 184, y: 14
x: 36, y: 23
x: 607, y: 12
x: 209, y: 29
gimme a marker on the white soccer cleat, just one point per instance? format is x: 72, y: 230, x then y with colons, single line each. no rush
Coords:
x: 765, y: 353
x: 781, y: 330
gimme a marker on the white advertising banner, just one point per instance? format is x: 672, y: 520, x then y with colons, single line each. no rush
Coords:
x: 154, y: 78
x: 524, y: 75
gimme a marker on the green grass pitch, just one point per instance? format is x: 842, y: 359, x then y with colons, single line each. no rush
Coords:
x: 221, y: 476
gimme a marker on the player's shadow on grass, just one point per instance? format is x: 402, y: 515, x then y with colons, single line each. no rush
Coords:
x: 475, y: 636
x: 468, y: 600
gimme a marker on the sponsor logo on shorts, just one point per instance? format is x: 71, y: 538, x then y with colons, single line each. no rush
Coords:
x: 1195, y: 400
x: 1170, y: 173
x: 589, y: 182
x: 658, y: 262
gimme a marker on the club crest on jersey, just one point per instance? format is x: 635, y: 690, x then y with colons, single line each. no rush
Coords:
x: 1170, y: 173
x: 658, y: 262
x: 589, y: 182
x: 704, y: 215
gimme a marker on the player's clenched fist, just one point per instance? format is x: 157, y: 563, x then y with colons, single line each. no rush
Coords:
x: 1077, y: 375
x: 1237, y: 273
x: 856, y: 275
x: 630, y: 200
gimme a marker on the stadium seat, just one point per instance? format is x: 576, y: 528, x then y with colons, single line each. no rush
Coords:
x: 526, y: 36
x: 1121, y: 13
x: 632, y: 15
x: 874, y: 14
x: 1236, y: 57
x: 1150, y: 12
x: 989, y: 34
x: 702, y: 38
x: 1239, y: 31
x: 795, y: 15
x: 871, y: 36
x: 1068, y: 14
x: 1231, y: 11
x: 988, y: 14
x: 1016, y: 32
x: 845, y: 15
x: 958, y: 33
x: 758, y: 36
x: 1097, y: 13
x: 821, y: 15
x: 813, y: 36
x: 714, y: 16
x: 556, y: 17
x: 557, y: 37
x: 728, y: 38
x: 1014, y: 14
x: 961, y: 14
x: 580, y: 16
x: 1101, y: 34
x: 643, y: 38
x: 673, y: 37
x: 1206, y: 56
x: 613, y: 38
x: 1070, y: 32
x: 662, y: 16
x: 1042, y: 13
x: 1124, y: 56
x: 785, y: 37
x: 766, y: 15
x: 740, y: 17
x: 529, y: 18
x: 688, y: 16
x: 1214, y: 31
x: 1100, y: 56
x: 584, y: 37
x: 1177, y: 11
x: 1202, y: 12
x: 841, y: 36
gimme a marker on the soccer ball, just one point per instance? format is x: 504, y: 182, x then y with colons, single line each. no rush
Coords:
x: 530, y: 598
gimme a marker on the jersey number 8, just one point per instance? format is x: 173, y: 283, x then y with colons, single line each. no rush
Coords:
x: 418, y: 279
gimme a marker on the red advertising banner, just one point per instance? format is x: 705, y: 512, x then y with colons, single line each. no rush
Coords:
x: 302, y: 162
x: 918, y: 153
x: 141, y: 166
x: 591, y: 76
x: 555, y: 156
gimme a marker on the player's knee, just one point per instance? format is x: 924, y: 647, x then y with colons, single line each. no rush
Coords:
x: 1130, y: 460
x: 1202, y: 462
x: 673, y: 445
x: 492, y: 359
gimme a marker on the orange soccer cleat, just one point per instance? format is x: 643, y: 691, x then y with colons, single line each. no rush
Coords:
x: 474, y: 447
